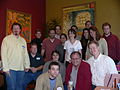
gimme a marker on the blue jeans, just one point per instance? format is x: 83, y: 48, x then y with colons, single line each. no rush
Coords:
x: 14, y: 80
x: 29, y: 76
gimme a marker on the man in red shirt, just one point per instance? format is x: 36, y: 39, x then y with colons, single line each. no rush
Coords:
x: 79, y: 73
x: 112, y: 41
x: 49, y: 44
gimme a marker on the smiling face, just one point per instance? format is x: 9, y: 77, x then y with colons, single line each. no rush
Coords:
x: 52, y: 34
x: 58, y: 30
x: 92, y: 33
x: 76, y: 60
x: 94, y: 49
x: 86, y: 34
x: 38, y: 34
x: 55, y: 56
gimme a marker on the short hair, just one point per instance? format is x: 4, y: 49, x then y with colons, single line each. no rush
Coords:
x: 16, y: 24
x: 31, y: 44
x: 74, y: 26
x: 73, y: 31
x: 75, y: 52
x: 63, y: 34
x: 106, y: 24
x: 37, y: 30
x: 57, y: 26
x: 93, y: 42
x: 53, y: 63
x: 87, y: 22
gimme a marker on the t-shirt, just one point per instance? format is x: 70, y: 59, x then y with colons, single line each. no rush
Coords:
x: 52, y: 83
x: 69, y: 47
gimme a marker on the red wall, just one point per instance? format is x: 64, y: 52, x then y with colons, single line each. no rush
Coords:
x: 34, y: 7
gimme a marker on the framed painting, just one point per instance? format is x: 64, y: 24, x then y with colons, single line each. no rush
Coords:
x: 22, y: 18
x: 78, y: 15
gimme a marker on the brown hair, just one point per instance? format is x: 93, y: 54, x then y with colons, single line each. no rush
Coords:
x: 106, y: 24
x: 98, y: 36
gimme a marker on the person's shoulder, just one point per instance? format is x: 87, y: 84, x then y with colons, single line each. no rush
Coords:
x: 8, y: 37
x: 114, y: 36
x: 84, y: 63
x: 46, y: 39
x: 90, y: 60
x: 43, y: 76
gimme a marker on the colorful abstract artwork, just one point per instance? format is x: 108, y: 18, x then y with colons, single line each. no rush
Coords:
x: 78, y: 15
x: 23, y: 18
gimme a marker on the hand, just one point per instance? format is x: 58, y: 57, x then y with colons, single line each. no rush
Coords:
x: 26, y: 69
x: 33, y: 69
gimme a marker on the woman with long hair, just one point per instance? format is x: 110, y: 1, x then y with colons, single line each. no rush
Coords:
x: 84, y: 41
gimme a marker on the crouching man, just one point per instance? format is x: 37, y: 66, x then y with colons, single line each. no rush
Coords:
x: 50, y: 80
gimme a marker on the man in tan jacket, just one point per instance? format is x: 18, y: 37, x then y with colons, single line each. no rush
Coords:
x: 50, y: 80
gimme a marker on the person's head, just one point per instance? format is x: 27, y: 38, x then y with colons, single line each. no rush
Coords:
x: 16, y: 28
x: 88, y: 24
x: 76, y: 58
x: 55, y: 55
x: 53, y: 69
x: 85, y: 33
x: 72, y: 33
x: 52, y: 33
x: 38, y: 33
x: 33, y: 48
x: 106, y: 28
x: 94, y: 33
x: 63, y: 38
x: 93, y: 48
x: 58, y: 29
x: 74, y: 27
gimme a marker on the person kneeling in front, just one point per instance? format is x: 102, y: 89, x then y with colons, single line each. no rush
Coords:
x: 51, y: 80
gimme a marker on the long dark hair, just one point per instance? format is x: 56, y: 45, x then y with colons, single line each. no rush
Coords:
x: 83, y: 39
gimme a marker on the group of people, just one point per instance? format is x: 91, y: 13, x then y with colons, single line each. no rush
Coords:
x: 60, y: 58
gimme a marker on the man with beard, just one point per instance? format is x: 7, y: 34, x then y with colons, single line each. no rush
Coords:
x: 49, y: 44
x: 15, y: 58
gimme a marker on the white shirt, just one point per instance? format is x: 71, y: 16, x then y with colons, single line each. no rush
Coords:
x: 100, y: 67
x: 69, y: 47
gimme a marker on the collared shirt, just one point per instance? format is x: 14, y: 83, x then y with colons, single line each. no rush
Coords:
x: 36, y: 61
x: 14, y: 53
x: 100, y: 67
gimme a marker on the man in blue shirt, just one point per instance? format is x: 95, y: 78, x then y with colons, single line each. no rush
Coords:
x: 36, y: 66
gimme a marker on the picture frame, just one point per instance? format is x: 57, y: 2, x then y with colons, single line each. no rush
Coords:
x: 78, y: 15
x: 22, y: 18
